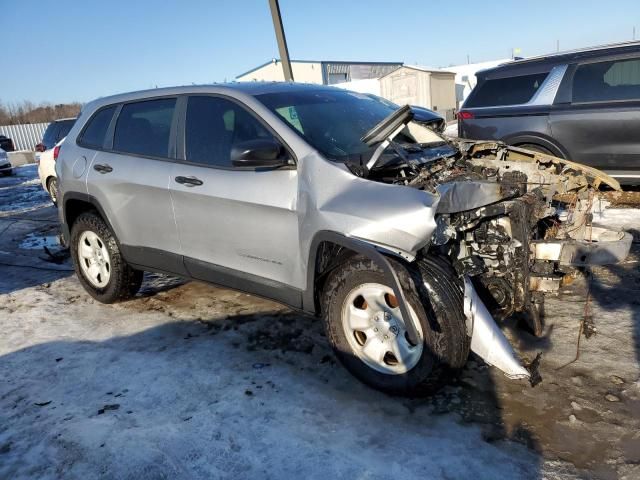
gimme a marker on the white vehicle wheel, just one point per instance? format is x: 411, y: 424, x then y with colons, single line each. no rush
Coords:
x: 94, y: 259
x: 52, y: 188
x: 376, y: 332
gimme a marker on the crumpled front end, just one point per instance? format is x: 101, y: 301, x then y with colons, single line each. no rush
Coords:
x: 516, y: 225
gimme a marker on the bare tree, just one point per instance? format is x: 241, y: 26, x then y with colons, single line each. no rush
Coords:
x: 28, y: 112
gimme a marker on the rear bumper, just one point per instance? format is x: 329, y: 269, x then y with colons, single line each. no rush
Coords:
x: 605, y: 247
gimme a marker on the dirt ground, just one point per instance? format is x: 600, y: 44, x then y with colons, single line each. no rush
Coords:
x: 192, y: 381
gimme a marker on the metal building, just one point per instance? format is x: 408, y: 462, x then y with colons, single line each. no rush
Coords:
x: 322, y: 72
x: 421, y: 86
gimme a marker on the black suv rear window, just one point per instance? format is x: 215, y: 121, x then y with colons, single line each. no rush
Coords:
x: 96, y: 129
x: 143, y: 128
x: 506, y: 91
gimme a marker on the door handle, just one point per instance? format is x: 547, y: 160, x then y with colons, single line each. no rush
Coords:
x: 189, y: 181
x: 102, y: 168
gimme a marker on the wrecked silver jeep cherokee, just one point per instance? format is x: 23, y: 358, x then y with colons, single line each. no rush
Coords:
x: 409, y: 246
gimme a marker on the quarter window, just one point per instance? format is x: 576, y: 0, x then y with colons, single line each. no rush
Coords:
x: 506, y: 91
x: 96, y: 129
x: 213, y: 126
x: 607, y: 81
x: 144, y: 128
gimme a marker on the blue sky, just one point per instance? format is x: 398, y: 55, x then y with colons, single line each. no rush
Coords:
x: 63, y: 50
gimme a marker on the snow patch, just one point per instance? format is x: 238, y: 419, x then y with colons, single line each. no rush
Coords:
x: 38, y: 242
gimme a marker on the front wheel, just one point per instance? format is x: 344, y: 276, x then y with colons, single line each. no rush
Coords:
x: 98, y: 263
x: 366, y: 330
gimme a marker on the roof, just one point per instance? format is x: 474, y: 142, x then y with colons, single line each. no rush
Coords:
x: 572, y: 55
x: 248, y: 88
x: 422, y: 69
x: 344, y: 62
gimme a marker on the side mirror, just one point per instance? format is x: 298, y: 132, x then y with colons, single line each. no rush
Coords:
x: 40, y: 147
x: 261, y: 152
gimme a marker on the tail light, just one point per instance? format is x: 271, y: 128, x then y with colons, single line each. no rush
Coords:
x: 465, y: 115
x: 56, y: 152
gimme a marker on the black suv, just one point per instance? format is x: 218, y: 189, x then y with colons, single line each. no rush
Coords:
x: 582, y: 105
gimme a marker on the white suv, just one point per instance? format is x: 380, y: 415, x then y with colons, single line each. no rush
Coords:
x: 47, y: 154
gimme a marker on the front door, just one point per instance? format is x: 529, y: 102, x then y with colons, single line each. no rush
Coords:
x: 235, y: 224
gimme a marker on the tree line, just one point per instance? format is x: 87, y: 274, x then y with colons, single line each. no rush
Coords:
x: 29, y: 112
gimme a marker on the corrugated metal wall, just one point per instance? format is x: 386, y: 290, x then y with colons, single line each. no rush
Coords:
x: 24, y: 137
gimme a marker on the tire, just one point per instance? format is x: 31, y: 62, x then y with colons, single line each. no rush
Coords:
x: 437, y: 303
x: 52, y: 188
x: 114, y: 283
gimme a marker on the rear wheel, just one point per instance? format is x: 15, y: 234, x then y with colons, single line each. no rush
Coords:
x: 98, y: 262
x: 52, y: 188
x: 365, y: 326
x: 536, y: 148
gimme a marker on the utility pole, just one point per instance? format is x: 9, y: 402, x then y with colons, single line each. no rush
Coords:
x: 557, y: 45
x: 282, y: 41
x: 634, y: 33
x: 468, y: 62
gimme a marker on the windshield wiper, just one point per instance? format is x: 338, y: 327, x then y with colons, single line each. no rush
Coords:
x: 383, y: 133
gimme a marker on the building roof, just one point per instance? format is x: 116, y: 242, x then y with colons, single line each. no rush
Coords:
x: 343, y: 62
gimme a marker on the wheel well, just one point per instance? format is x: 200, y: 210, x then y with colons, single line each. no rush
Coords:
x: 329, y: 255
x: 73, y: 208
x: 540, y: 148
x: 549, y: 144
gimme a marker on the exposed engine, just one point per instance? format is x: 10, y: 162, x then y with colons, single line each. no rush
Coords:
x: 515, y: 221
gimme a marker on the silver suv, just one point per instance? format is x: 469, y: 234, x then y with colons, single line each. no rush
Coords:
x: 336, y: 204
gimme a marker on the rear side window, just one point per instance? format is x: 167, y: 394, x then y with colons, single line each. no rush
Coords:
x: 214, y: 125
x: 96, y: 129
x: 144, y: 128
x: 607, y: 81
x: 506, y: 91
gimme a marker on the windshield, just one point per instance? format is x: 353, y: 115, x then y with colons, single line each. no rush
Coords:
x: 333, y: 122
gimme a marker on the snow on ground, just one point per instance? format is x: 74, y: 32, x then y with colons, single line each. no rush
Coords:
x: 22, y: 192
x: 193, y: 381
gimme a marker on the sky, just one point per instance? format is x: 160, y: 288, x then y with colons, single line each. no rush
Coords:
x: 60, y: 51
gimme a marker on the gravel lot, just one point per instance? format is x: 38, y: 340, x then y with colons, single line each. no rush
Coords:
x: 193, y: 381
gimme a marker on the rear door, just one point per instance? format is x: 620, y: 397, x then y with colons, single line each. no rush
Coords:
x: 129, y: 178
x: 600, y: 124
x: 233, y: 223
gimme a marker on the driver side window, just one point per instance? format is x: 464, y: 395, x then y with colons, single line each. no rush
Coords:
x: 213, y: 126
